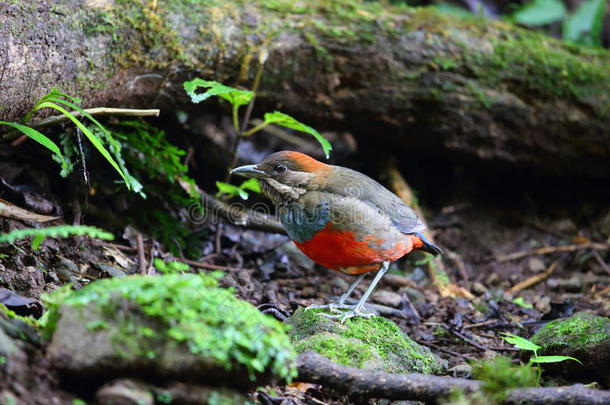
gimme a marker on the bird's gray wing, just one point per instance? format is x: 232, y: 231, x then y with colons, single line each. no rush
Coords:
x: 348, y: 182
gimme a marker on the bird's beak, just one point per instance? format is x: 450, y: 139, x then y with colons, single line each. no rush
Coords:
x: 249, y: 171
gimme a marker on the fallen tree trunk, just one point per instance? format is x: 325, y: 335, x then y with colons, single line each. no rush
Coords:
x: 317, y: 369
x: 464, y: 88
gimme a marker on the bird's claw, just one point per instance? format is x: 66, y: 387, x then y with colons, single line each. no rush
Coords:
x: 348, y: 315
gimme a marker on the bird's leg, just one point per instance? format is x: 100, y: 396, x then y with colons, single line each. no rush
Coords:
x: 358, y: 309
x: 340, y: 304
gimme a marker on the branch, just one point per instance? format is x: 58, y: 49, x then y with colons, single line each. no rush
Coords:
x: 317, y: 369
x: 240, y: 216
x: 551, y: 249
x: 56, y: 119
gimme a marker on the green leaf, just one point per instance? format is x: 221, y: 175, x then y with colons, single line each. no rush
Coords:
x: 287, y: 121
x: 252, y: 185
x: 585, y: 24
x: 37, y: 241
x: 178, y: 266
x: 80, y: 110
x: 234, y: 96
x: 552, y: 359
x: 520, y: 342
x: 231, y: 190
x: 540, y: 12
x: 92, y: 138
x: 38, y: 137
x: 520, y: 301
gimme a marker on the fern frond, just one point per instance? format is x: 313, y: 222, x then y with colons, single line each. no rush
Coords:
x: 61, y: 231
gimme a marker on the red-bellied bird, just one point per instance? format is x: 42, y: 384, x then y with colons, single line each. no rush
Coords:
x: 340, y: 219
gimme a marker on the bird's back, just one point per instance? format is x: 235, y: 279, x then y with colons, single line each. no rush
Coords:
x: 350, y: 183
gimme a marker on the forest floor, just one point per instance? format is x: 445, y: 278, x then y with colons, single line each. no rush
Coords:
x: 267, y: 270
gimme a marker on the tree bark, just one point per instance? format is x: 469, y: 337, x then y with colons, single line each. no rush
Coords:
x: 408, y: 78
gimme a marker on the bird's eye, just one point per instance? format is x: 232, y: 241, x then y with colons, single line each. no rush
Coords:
x: 280, y: 169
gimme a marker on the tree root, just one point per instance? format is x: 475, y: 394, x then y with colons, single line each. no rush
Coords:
x: 315, y: 368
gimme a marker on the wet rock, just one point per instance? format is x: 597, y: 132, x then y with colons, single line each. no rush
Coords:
x: 375, y: 343
x: 66, y: 270
x: 110, y: 270
x: 124, y: 392
x: 583, y: 336
x: 177, y: 327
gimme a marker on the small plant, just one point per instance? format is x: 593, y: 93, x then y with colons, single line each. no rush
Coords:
x: 229, y: 190
x: 583, y: 26
x: 238, y: 98
x: 61, y: 231
x: 521, y: 302
x: 170, y: 267
x: 499, y: 375
x: 58, y: 101
x: 525, y: 344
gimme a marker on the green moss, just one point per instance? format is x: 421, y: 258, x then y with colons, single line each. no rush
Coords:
x: 186, y: 309
x: 349, y: 352
x: 579, y: 332
x: 360, y: 340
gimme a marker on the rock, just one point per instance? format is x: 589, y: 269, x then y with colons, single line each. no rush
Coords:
x: 478, y: 288
x: 583, y: 336
x: 374, y: 344
x: 535, y: 265
x: 543, y: 304
x: 463, y: 370
x: 109, y: 269
x: 388, y: 298
x: 178, y: 326
x: 124, y: 392
x: 14, y: 337
x: 135, y: 392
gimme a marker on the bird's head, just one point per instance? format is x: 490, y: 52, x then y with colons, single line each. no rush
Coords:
x: 285, y: 176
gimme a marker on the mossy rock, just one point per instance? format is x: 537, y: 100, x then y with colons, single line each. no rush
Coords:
x: 583, y: 336
x: 178, y: 327
x: 374, y: 344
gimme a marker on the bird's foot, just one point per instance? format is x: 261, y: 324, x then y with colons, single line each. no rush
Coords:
x: 349, y: 314
x: 332, y: 307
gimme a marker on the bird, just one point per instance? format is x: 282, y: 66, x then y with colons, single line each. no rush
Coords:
x: 339, y: 218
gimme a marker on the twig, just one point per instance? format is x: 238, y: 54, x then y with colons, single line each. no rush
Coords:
x: 317, y: 369
x: 536, y: 279
x: 551, y: 249
x: 459, y: 263
x: 601, y: 261
x: 55, y: 119
x: 240, y: 216
x: 141, y: 257
x: 475, y: 344
x: 210, y: 266
x: 442, y: 349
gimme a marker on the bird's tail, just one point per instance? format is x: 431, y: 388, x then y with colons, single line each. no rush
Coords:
x: 428, y: 246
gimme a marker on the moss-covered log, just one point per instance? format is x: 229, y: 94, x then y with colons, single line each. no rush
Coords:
x: 424, y: 80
